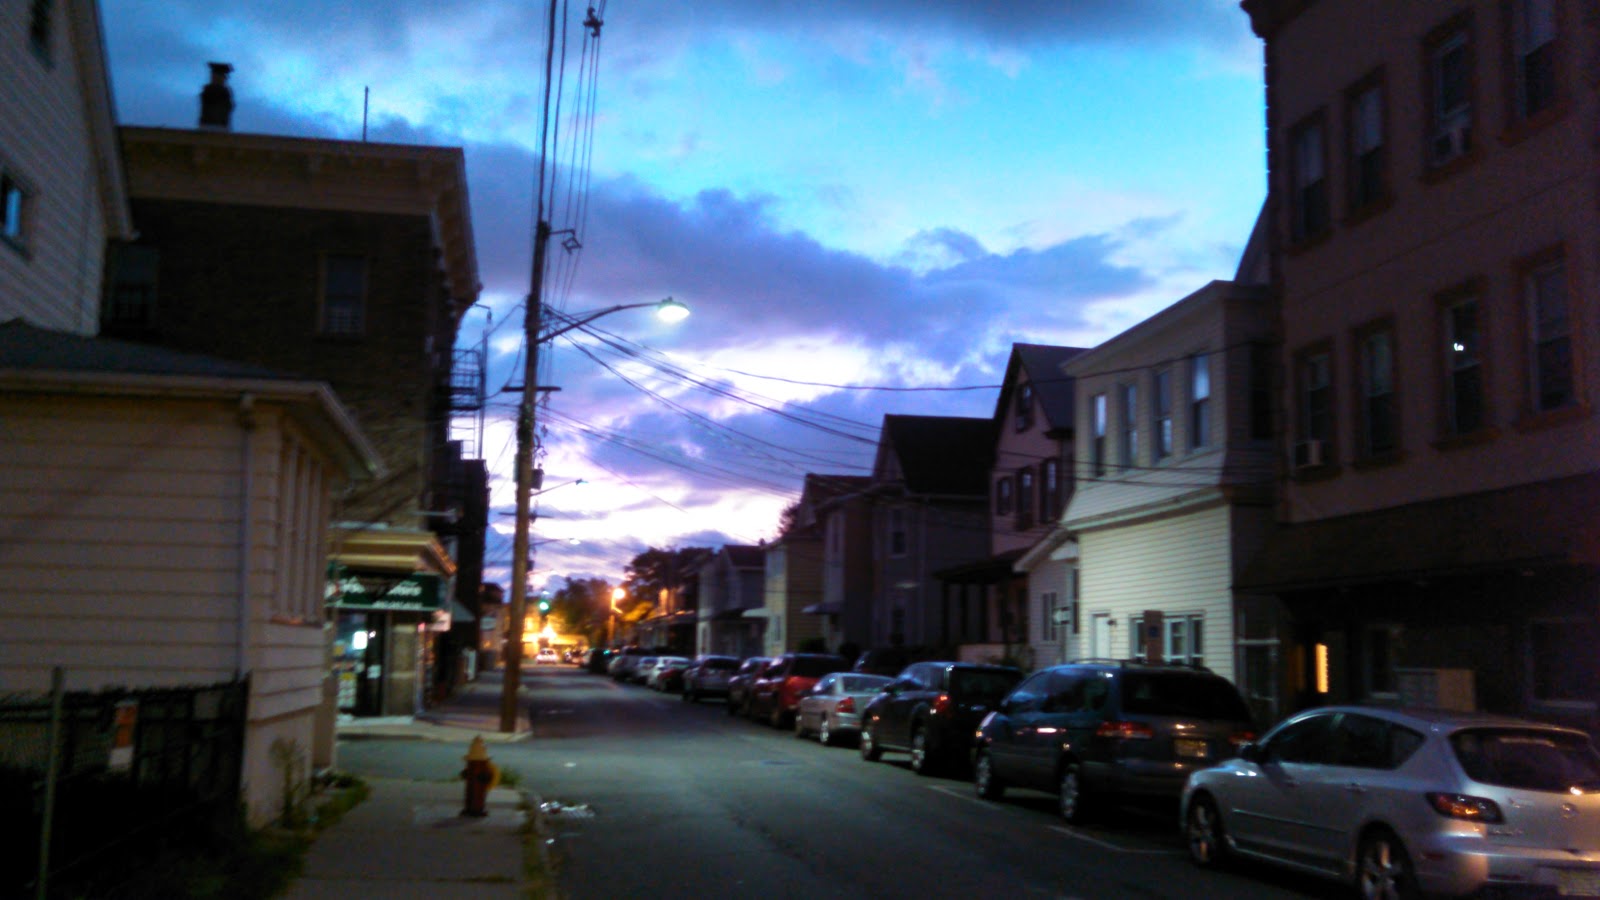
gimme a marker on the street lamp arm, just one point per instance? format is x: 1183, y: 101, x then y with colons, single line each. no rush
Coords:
x: 668, y: 308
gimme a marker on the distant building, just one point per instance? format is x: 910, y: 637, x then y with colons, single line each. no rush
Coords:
x: 1433, y: 180
x: 732, y: 612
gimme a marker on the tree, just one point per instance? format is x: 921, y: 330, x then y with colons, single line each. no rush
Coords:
x: 656, y: 570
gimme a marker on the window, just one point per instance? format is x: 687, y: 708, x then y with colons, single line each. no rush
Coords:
x: 1364, y: 117
x: 1025, y: 489
x: 1049, y: 628
x: 1544, y: 285
x: 1261, y: 362
x: 1533, y: 57
x: 1130, y: 426
x: 1375, y: 373
x: 39, y: 28
x: 131, y: 298
x: 1163, y: 414
x: 1560, y: 655
x: 1024, y: 417
x: 1448, y: 54
x: 1185, y: 639
x: 1316, y: 396
x: 1003, y: 496
x: 897, y: 532
x: 12, y: 207
x: 1199, y: 401
x: 344, y: 294
x: 1463, y: 366
x: 1097, y: 453
x: 1308, y: 199
x: 1050, y: 490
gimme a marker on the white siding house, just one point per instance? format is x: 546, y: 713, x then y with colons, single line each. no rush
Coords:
x: 1174, y: 477
x: 61, y: 182
x: 164, y: 523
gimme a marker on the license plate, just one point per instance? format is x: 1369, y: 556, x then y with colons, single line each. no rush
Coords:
x: 1191, y: 747
x: 1578, y: 882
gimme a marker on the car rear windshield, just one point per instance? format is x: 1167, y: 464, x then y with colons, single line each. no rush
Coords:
x: 860, y: 684
x: 1528, y: 759
x: 977, y: 686
x: 812, y: 667
x: 1181, y: 694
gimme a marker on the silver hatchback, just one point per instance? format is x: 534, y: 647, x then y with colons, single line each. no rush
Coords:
x: 1407, y: 802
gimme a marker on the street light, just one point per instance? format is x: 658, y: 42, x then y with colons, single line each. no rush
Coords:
x: 617, y: 593
x: 668, y: 310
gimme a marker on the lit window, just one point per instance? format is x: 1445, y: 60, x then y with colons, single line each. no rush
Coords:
x: 11, y: 208
x: 1463, y: 353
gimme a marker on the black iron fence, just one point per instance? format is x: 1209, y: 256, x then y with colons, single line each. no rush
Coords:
x: 91, y: 781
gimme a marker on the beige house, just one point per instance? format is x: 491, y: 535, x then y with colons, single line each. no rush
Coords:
x: 1174, y: 481
x: 165, y: 523
x: 1433, y: 175
x: 61, y: 180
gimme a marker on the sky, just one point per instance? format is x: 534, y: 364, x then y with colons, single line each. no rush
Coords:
x: 864, y: 204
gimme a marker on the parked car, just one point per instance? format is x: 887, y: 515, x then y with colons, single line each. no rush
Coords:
x: 1091, y: 731
x: 667, y: 674
x: 625, y: 661
x: 888, y: 661
x: 598, y: 660
x: 546, y: 657
x: 739, y: 683
x: 931, y: 710
x: 708, y: 676
x: 832, y: 708
x: 1404, y: 802
x: 775, y: 694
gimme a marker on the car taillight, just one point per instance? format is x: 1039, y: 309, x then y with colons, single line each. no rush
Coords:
x: 941, y: 704
x: 1125, y: 731
x: 1461, y: 806
x: 1240, y: 738
x: 847, y: 705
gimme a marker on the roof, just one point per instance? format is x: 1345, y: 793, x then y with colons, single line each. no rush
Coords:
x: 745, y: 556
x: 947, y: 455
x: 1052, y: 388
x: 26, y: 347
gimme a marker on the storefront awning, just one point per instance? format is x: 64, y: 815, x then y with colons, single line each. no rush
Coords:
x: 1548, y: 523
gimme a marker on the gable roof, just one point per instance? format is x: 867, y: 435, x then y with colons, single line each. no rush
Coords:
x: 746, y: 556
x: 1052, y: 388
x: 949, y: 455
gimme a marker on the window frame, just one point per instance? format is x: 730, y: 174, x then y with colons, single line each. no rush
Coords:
x: 1518, y: 111
x: 1099, y: 411
x: 1370, y: 395
x: 1004, y: 496
x: 1471, y: 293
x: 1437, y: 121
x: 1050, y: 490
x: 1310, y: 207
x: 1025, y: 498
x: 329, y: 327
x: 1161, y: 436
x: 1303, y: 413
x: 1200, y: 405
x: 1129, y: 446
x: 16, y: 208
x: 899, y: 542
x: 1361, y: 197
x: 1024, y: 406
x: 1184, y: 627
x: 1527, y: 271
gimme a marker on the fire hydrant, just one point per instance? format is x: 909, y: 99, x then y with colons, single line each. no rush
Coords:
x: 481, y: 775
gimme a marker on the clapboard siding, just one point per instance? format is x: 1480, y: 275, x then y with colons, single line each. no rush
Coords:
x: 1179, y: 565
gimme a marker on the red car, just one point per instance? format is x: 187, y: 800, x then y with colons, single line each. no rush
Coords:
x: 775, y: 695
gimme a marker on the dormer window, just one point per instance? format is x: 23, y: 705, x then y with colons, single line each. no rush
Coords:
x: 1024, y: 407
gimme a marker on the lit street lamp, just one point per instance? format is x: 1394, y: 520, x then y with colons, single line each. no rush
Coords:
x: 668, y: 310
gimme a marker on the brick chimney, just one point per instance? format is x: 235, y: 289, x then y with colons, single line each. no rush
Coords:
x: 216, y: 99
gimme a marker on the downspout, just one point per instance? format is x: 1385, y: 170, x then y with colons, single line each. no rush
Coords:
x: 247, y: 427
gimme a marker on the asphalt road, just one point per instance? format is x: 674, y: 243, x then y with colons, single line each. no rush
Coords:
x: 665, y: 799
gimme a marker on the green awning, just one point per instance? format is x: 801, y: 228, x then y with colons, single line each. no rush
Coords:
x: 413, y: 592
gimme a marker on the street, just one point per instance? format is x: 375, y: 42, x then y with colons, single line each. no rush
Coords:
x: 668, y: 799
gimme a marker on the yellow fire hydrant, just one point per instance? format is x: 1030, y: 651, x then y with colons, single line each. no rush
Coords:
x: 481, y: 776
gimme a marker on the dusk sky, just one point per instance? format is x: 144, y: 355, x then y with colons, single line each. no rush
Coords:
x: 863, y: 203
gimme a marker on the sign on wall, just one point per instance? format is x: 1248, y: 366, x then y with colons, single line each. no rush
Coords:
x: 412, y: 592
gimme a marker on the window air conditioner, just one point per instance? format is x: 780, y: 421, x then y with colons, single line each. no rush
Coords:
x: 1308, y: 454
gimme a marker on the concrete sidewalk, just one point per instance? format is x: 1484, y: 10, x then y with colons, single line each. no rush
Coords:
x: 409, y: 839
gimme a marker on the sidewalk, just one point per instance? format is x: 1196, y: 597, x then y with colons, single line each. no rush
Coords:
x: 409, y: 839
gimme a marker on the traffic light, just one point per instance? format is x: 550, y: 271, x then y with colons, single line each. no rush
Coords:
x: 544, y: 606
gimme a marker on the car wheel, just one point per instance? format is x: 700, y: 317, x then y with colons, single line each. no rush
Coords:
x: 922, y: 761
x: 1073, y: 804
x: 1208, y: 846
x: 825, y: 734
x: 687, y: 696
x: 870, y: 751
x: 1383, y: 869
x: 731, y: 709
x: 988, y: 784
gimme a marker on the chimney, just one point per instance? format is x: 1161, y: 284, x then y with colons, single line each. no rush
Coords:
x: 216, y: 99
